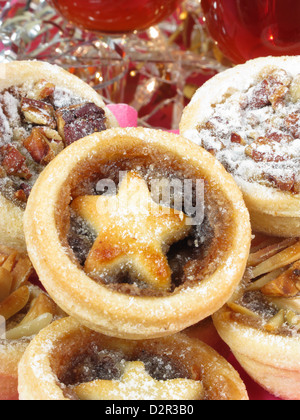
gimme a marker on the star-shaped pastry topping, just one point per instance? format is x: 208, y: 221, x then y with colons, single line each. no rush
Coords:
x: 134, y: 233
x: 137, y: 384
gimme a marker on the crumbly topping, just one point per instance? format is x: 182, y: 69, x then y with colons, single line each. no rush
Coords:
x: 256, y: 133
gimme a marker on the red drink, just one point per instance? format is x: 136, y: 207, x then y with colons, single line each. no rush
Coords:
x: 246, y: 29
x: 115, y: 16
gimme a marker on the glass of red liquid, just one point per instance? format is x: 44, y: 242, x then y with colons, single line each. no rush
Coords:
x: 246, y: 29
x: 115, y: 17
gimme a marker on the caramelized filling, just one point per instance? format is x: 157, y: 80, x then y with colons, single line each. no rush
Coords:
x: 190, y: 259
x: 98, y: 364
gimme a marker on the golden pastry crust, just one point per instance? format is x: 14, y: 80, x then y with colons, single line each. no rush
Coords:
x: 273, y: 211
x: 53, y: 352
x: 28, y: 73
x: 261, y: 323
x: 104, y: 308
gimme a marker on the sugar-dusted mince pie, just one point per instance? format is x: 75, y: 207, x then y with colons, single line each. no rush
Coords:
x: 43, y: 109
x: 25, y: 309
x: 67, y: 361
x: 248, y: 117
x: 119, y: 262
x: 262, y: 323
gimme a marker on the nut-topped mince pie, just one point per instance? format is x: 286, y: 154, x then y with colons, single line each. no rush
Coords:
x: 249, y: 118
x: 261, y: 324
x: 24, y: 311
x: 67, y: 361
x: 140, y: 234
x: 43, y: 109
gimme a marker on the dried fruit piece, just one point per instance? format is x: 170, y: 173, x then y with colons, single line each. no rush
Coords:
x: 38, y: 112
x: 79, y: 121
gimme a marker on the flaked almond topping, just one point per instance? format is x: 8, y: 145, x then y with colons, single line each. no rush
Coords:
x: 31, y: 328
x: 17, y: 265
x: 288, y: 256
x: 276, y: 322
x: 6, y: 280
x: 267, y: 251
x: 292, y: 318
x: 41, y: 305
x: 240, y: 309
x: 15, y: 302
x: 286, y: 285
x: 16, y: 296
x: 38, y: 112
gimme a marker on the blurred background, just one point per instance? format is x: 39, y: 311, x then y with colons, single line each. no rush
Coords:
x: 150, y: 54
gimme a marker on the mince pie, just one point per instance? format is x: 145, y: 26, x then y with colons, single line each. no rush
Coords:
x: 43, y: 109
x: 67, y: 361
x: 125, y: 257
x: 262, y: 323
x: 249, y: 118
x: 24, y: 309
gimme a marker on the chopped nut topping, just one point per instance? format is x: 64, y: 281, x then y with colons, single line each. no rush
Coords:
x: 264, y: 150
x: 79, y: 121
x: 39, y: 147
x: 43, y: 90
x: 38, y: 112
x: 29, y: 136
x: 14, y: 162
x: 276, y: 322
x: 236, y: 138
